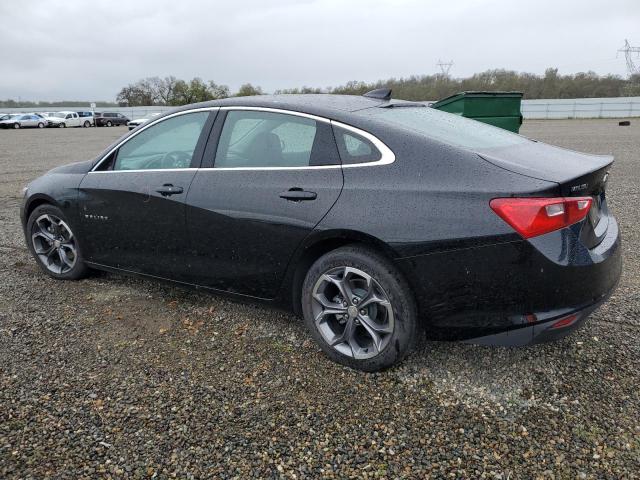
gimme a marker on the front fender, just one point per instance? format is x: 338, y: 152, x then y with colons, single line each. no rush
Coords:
x: 59, y: 189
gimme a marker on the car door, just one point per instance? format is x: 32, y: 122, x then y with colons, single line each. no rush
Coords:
x: 132, y: 204
x: 268, y: 178
x: 29, y: 121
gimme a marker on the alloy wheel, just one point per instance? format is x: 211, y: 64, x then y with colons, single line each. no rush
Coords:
x: 352, y: 312
x: 16, y: 125
x: 54, y: 243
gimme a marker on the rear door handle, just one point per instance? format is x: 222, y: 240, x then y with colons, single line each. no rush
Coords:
x: 168, y: 189
x: 297, y: 195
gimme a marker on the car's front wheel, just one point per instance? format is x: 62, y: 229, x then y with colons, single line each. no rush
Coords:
x: 359, y: 309
x: 40, y: 125
x: 109, y: 124
x: 87, y: 124
x: 16, y: 126
x: 54, y: 245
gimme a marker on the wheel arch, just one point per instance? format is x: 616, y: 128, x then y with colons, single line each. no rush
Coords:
x: 35, y: 201
x: 313, y: 248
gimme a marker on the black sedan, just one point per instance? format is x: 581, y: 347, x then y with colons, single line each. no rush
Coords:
x: 373, y: 219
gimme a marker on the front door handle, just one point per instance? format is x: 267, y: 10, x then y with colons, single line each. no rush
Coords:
x: 168, y: 189
x: 297, y: 195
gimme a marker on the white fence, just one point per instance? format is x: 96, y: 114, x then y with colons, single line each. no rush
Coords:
x: 132, y: 113
x: 620, y: 107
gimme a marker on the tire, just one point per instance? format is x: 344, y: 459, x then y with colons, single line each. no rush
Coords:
x: 45, y: 244
x: 393, y: 320
x: 40, y: 125
x: 87, y: 124
x: 109, y: 124
x: 62, y: 125
x: 16, y: 126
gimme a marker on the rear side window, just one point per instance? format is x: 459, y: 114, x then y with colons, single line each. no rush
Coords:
x: 257, y: 139
x: 354, y: 148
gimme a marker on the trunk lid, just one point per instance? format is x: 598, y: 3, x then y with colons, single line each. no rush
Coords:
x: 577, y: 174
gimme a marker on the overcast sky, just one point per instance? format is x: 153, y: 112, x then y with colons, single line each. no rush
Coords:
x: 77, y: 49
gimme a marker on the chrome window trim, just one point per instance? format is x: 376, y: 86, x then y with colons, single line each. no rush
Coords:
x: 147, y: 170
x: 137, y: 132
x: 387, y: 156
x: 278, y: 110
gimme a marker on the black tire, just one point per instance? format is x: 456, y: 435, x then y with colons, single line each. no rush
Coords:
x: 79, y: 269
x: 86, y: 124
x: 405, y: 323
x: 40, y: 125
x: 63, y: 125
x: 109, y: 124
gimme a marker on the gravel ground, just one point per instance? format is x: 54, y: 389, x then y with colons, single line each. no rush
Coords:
x: 115, y: 377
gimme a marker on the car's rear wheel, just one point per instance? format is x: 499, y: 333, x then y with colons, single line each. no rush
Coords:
x: 62, y: 125
x: 16, y: 126
x: 359, y: 309
x: 40, y: 125
x: 54, y: 245
x: 109, y: 124
x: 87, y: 124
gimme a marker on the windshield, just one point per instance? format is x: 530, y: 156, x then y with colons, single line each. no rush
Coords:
x: 446, y: 127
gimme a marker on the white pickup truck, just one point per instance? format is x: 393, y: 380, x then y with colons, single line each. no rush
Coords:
x: 65, y: 119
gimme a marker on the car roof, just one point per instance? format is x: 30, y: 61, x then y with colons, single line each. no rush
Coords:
x: 319, y: 104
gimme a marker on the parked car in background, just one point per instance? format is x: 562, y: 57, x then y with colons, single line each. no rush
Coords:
x: 24, y: 120
x: 136, y: 123
x: 64, y: 120
x: 6, y: 116
x: 86, y: 119
x: 110, y: 119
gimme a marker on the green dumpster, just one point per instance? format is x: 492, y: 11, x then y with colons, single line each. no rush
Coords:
x: 501, y: 109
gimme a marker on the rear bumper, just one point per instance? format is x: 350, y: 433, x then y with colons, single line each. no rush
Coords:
x: 512, y: 293
x: 540, y: 332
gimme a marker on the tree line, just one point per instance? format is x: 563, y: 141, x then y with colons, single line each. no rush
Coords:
x: 549, y: 85
x: 173, y: 91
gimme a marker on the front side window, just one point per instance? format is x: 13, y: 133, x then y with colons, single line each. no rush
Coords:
x: 269, y: 139
x: 167, y: 144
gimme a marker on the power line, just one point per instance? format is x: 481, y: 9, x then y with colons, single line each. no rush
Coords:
x: 628, y: 51
x: 445, y: 67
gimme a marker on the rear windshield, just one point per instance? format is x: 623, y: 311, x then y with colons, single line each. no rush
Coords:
x: 447, y: 127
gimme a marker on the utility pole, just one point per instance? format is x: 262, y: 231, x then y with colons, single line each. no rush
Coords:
x: 444, y: 68
x: 628, y: 51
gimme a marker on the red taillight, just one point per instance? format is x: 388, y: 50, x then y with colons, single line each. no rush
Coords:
x: 531, y: 217
x: 565, y: 321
